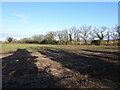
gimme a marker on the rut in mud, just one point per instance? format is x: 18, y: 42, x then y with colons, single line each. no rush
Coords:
x: 47, y: 68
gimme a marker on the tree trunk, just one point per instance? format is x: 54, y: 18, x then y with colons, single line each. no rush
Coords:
x: 108, y: 39
x: 70, y: 36
x: 85, y: 42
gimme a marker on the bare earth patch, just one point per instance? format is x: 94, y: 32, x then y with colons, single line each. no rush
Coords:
x: 47, y: 68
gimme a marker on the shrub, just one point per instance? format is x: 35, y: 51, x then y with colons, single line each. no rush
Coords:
x: 97, y: 42
x: 9, y: 39
x: 52, y: 42
x: 45, y: 41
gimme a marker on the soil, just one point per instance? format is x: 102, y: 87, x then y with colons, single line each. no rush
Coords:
x: 50, y: 69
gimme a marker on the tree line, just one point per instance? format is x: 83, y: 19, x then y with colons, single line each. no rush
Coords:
x: 85, y: 34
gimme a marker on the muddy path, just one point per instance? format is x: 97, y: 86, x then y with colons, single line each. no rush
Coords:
x: 49, y: 68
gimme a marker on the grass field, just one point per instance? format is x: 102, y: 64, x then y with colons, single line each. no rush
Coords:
x: 14, y: 47
x: 67, y: 66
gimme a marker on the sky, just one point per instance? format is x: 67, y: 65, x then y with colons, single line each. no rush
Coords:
x: 25, y: 19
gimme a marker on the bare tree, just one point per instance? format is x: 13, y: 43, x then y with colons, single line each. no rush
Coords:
x: 100, y: 32
x: 59, y: 35
x: 76, y: 34
x: 118, y: 31
x: 114, y: 36
x: 37, y: 38
x: 65, y: 34
x: 71, y: 31
x: 108, y: 35
x: 50, y: 36
x: 85, y: 31
x: 24, y: 40
x: 92, y: 34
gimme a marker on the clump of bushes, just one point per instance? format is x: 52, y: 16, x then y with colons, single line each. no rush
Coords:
x: 97, y: 42
x: 45, y: 41
x: 9, y: 39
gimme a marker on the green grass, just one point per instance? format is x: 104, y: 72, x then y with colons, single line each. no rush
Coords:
x: 14, y: 47
x: 84, y: 47
x: 34, y: 47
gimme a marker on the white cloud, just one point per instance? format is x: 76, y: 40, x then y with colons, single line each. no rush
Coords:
x: 16, y: 35
x: 20, y: 16
x: 14, y: 21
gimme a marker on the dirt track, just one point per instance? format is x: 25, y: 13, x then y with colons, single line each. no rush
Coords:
x: 47, y: 68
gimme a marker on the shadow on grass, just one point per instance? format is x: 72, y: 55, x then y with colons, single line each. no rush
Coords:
x: 103, y: 52
x: 7, y: 52
x: 19, y: 71
x: 95, y: 67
